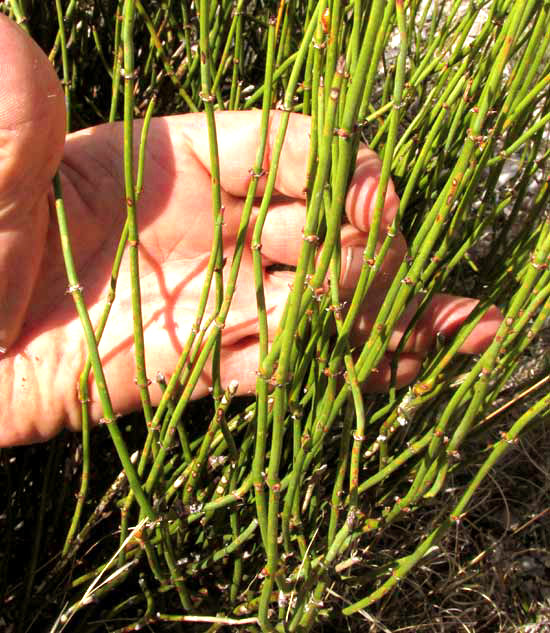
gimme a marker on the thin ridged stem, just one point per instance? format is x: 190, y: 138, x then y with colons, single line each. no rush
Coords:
x: 66, y: 18
x: 117, y: 63
x: 199, y: 463
x: 343, y: 458
x: 65, y: 63
x: 133, y: 237
x: 375, y: 60
x: 234, y: 95
x: 165, y: 61
x: 258, y: 464
x: 367, y: 275
x: 109, y: 415
x: 217, y: 210
x: 225, y: 53
x: 152, y: 432
x: 332, y: 21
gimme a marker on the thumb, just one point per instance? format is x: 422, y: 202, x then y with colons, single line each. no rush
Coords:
x: 32, y: 132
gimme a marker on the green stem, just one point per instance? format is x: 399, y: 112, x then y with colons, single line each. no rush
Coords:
x: 109, y: 417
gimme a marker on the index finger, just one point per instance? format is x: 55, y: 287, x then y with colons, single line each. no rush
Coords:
x: 238, y: 136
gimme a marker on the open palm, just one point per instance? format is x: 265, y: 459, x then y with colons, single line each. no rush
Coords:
x: 45, y: 348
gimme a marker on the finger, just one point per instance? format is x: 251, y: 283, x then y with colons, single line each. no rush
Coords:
x: 238, y: 135
x: 282, y: 234
x: 238, y: 361
x: 444, y: 315
x: 282, y: 241
x: 283, y: 238
x: 32, y: 130
x: 352, y: 260
x: 380, y: 379
x: 363, y: 189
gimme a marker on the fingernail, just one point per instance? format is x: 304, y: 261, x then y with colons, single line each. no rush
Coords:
x: 352, y: 261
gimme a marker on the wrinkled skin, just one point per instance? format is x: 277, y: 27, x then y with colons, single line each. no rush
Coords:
x: 39, y: 328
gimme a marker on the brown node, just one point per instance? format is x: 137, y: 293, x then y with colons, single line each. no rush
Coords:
x: 83, y: 400
x: 457, y: 518
x: 332, y: 374
x: 218, y: 269
x: 536, y: 265
x: 311, y: 238
x: 509, y: 440
x: 142, y: 385
x: 281, y: 105
x: 204, y: 97
x: 127, y: 76
x: 74, y: 288
x: 342, y: 133
x: 236, y: 495
x: 325, y: 20
x: 256, y: 174
x: 337, y: 309
x: 318, y: 293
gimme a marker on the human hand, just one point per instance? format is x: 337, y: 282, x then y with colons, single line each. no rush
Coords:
x: 45, y: 348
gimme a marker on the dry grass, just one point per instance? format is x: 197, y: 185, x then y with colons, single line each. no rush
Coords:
x: 492, y: 573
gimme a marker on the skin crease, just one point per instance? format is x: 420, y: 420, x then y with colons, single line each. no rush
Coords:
x: 38, y: 323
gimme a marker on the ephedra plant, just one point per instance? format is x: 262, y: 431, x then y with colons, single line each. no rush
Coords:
x: 258, y: 516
